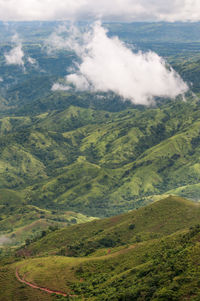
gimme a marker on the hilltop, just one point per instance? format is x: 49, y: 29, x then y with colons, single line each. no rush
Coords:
x: 146, y: 254
x: 154, y: 221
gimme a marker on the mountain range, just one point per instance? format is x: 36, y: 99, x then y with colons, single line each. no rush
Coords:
x: 99, y: 197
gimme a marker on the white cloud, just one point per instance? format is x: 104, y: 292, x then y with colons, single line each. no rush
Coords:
x: 64, y: 38
x: 32, y: 61
x: 15, y: 56
x: 108, y: 65
x: 126, y: 10
x: 59, y: 87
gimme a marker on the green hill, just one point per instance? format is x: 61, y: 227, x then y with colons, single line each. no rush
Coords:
x: 94, y: 153
x: 101, y: 163
x: 69, y: 157
x: 151, y: 222
x: 94, y: 162
x: 146, y: 254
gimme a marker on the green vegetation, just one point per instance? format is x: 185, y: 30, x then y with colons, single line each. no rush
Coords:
x: 21, y: 223
x: 101, y: 163
x: 156, y: 257
x: 93, y: 162
x: 151, y: 222
x: 66, y: 158
x: 94, y: 153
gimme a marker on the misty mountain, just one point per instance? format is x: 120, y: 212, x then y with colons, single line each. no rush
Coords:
x: 99, y: 150
x: 94, y: 152
x: 99, y: 147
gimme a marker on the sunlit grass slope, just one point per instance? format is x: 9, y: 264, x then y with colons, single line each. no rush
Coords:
x: 101, y: 163
x: 154, y: 221
x: 148, y: 254
x: 161, y: 269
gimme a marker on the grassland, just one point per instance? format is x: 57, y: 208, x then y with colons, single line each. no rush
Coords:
x: 156, y: 257
x: 151, y: 222
x: 20, y: 222
x: 93, y: 153
x: 94, y: 162
x: 67, y: 157
x: 97, y: 162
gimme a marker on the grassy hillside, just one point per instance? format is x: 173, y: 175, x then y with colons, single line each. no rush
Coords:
x: 151, y: 222
x: 101, y: 163
x: 146, y: 254
x: 66, y: 158
x: 93, y: 153
x: 20, y: 222
x: 158, y: 270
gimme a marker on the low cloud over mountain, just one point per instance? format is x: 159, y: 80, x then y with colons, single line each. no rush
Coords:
x: 106, y: 64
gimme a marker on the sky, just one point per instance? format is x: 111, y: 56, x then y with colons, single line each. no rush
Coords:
x: 106, y: 10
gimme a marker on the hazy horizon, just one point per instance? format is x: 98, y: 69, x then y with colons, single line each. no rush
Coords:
x: 121, y: 10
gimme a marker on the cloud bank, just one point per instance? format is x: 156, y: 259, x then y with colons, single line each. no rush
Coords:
x: 59, y: 87
x: 121, y: 10
x: 106, y: 64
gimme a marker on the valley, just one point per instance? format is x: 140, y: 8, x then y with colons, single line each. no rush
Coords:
x: 99, y: 194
